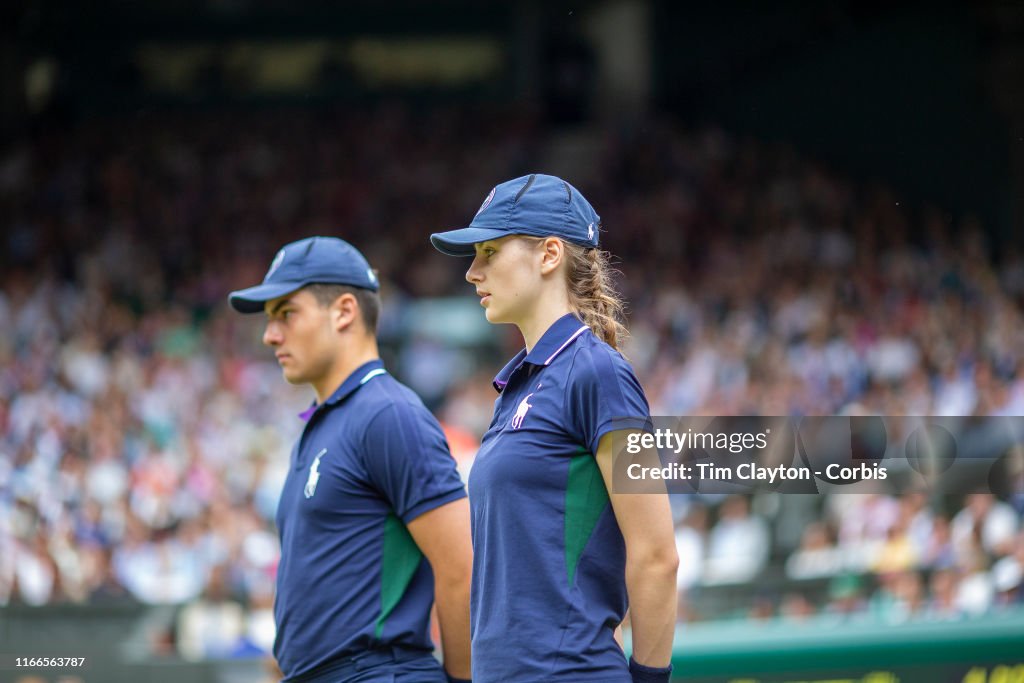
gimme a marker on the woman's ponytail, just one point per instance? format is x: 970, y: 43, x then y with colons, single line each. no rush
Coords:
x: 591, y: 294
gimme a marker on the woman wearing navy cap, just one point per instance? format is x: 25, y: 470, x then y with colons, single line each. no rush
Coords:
x: 557, y: 560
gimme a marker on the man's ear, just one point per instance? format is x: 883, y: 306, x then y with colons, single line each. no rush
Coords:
x: 552, y: 254
x: 344, y: 311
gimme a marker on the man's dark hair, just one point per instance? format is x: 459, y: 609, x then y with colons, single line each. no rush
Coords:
x: 369, y: 301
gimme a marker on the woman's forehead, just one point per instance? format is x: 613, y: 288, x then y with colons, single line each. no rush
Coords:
x: 508, y: 239
x: 494, y: 242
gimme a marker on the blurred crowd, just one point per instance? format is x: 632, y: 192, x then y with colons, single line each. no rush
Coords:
x: 144, y: 432
x: 870, y: 555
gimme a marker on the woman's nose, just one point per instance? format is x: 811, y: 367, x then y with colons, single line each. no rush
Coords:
x: 473, y: 275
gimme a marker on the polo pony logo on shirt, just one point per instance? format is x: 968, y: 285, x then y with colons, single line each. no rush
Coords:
x: 314, y: 475
x: 524, y: 406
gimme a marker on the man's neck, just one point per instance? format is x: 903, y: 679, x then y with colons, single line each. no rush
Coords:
x: 357, y: 354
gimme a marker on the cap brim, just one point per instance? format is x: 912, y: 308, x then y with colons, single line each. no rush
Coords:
x: 251, y: 300
x: 460, y: 242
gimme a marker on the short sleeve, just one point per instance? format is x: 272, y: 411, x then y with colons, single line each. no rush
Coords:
x: 604, y: 395
x: 408, y: 460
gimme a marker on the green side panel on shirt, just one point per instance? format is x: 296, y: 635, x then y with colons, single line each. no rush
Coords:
x: 399, y: 561
x: 585, y: 499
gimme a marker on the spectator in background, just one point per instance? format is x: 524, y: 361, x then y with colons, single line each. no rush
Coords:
x: 103, y: 584
x: 691, y: 540
x: 796, y: 607
x: 864, y: 521
x: 897, y: 553
x: 7, y: 562
x: 900, y: 596
x: 35, y: 575
x: 816, y: 557
x: 162, y: 571
x: 987, y: 521
x: 214, y: 625
x: 939, y: 552
x: 738, y: 545
x: 975, y: 591
x: 1008, y: 576
x: 917, y: 520
x: 845, y: 596
x: 259, y: 618
x: 942, y: 603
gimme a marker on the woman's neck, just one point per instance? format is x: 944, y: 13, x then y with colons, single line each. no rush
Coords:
x: 541, y: 320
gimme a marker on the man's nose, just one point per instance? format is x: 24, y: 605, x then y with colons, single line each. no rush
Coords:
x: 272, y: 334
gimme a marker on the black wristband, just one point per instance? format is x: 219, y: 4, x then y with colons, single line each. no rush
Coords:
x: 453, y: 679
x: 648, y: 674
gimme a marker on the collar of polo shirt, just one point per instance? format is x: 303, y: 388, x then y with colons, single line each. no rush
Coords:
x: 363, y: 374
x: 558, y: 337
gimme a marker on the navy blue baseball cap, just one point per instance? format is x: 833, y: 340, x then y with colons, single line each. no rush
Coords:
x: 326, y: 260
x: 538, y: 205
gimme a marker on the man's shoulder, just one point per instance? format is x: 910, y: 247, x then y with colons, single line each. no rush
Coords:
x: 388, y: 399
x: 383, y: 398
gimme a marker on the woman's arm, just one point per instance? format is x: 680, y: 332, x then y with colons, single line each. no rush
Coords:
x: 645, y: 520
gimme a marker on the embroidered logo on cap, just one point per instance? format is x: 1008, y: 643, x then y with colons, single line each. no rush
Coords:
x: 487, y: 202
x: 590, y: 231
x: 278, y: 260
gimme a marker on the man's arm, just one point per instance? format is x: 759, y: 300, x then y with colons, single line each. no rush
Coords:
x: 443, y: 535
x: 645, y: 520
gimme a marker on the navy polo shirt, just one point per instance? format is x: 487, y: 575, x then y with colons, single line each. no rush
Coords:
x: 370, y: 460
x: 549, y: 559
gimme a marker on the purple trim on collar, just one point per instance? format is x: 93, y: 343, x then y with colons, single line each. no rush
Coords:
x: 308, y: 412
x: 501, y: 379
x: 560, y: 335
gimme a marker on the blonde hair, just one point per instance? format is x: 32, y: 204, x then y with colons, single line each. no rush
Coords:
x: 591, y: 294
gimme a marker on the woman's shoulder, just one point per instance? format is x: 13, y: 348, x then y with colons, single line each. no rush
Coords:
x: 603, y: 391
x: 592, y: 349
x: 594, y: 360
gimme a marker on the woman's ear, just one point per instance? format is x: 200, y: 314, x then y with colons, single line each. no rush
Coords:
x: 552, y: 254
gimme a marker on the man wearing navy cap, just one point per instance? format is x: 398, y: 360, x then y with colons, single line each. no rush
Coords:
x: 373, y: 517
